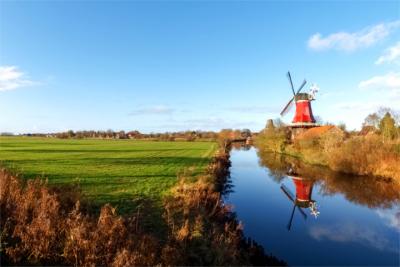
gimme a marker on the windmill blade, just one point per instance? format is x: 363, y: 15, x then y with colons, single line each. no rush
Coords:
x: 291, y: 83
x: 291, y: 197
x: 287, y: 193
x: 301, y: 86
x: 286, y: 108
x: 291, y: 218
x: 303, y: 213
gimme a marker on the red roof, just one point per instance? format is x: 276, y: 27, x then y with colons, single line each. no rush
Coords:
x: 317, y: 131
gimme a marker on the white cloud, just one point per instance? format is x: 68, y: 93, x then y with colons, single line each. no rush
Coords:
x: 374, y: 93
x: 11, y: 78
x: 392, y: 54
x: 357, y: 106
x: 153, y: 110
x: 391, y: 217
x: 209, y: 123
x: 346, y: 41
x: 388, y: 83
x: 349, y: 232
x: 255, y: 109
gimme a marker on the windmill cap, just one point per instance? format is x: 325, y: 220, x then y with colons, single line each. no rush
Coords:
x: 304, y: 203
x: 302, y: 96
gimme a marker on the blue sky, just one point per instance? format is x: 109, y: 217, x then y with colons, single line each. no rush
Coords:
x: 178, y: 65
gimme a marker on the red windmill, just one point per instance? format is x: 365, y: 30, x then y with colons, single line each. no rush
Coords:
x: 303, y: 117
x: 302, y: 199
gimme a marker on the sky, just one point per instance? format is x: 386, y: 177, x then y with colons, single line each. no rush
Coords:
x: 159, y: 66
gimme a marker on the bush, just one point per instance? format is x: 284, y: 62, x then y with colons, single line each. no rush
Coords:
x: 37, y: 229
x: 273, y: 139
x: 366, y: 156
x: 371, y: 154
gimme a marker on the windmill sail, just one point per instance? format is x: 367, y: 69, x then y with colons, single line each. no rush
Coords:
x: 301, y: 86
x: 287, y: 107
x: 291, y: 83
x: 292, y: 198
x: 289, y: 104
x: 291, y: 217
x: 287, y: 193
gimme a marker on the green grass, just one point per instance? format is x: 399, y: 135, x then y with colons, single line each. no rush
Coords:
x: 120, y: 172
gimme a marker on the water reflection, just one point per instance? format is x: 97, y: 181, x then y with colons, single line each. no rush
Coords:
x: 359, y: 222
x: 372, y: 192
x: 391, y: 217
x: 302, y: 199
x: 350, y: 232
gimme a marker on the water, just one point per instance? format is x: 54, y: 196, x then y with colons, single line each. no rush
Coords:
x: 358, y: 223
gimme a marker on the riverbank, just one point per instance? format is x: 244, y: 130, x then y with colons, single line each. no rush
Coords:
x: 359, y: 155
x: 206, y: 230
x: 51, y: 226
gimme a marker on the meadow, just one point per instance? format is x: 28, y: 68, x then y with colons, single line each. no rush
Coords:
x: 125, y: 173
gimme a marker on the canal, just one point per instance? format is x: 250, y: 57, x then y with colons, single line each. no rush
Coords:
x: 308, y: 215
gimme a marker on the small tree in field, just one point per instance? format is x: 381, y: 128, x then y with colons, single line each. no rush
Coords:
x: 372, y: 120
x: 387, y: 127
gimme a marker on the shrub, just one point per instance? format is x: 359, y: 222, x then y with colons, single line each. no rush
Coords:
x: 273, y: 139
x: 367, y: 155
x: 31, y: 221
x: 37, y: 229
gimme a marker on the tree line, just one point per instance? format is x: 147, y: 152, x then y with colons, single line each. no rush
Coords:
x: 197, y: 135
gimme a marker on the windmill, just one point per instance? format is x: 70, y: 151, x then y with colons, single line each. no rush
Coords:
x: 303, y: 117
x: 302, y: 199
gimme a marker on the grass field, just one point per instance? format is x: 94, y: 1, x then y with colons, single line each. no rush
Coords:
x: 120, y: 172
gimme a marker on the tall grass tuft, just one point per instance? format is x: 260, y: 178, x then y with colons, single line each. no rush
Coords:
x: 37, y: 229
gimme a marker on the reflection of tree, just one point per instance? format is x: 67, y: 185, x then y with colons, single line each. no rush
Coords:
x: 370, y: 191
x: 241, y: 146
x: 373, y: 192
x: 276, y: 164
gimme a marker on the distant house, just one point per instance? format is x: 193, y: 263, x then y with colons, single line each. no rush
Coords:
x: 317, y: 132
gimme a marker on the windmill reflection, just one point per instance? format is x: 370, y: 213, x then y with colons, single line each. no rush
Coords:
x: 302, y: 199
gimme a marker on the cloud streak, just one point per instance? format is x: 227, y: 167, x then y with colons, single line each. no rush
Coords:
x: 391, y: 217
x: 392, y: 54
x: 153, y: 110
x: 255, y: 109
x: 389, y: 83
x: 352, y: 233
x: 211, y: 123
x: 11, y: 78
x: 351, y: 41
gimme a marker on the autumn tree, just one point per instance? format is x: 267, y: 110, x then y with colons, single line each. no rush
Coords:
x: 387, y: 127
x: 372, y: 120
x: 393, y: 113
